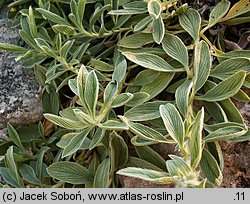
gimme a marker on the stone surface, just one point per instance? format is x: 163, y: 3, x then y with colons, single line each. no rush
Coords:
x: 19, y: 101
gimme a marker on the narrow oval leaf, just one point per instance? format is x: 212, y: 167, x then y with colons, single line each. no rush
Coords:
x: 114, y: 125
x: 91, y: 92
x: 136, y: 40
x: 14, y: 136
x: 147, y: 175
x: 138, y: 99
x: 143, y: 24
x: 70, y: 172
x: 182, y: 97
x: 225, y: 89
x: 190, y: 21
x: 101, y: 66
x: 122, y: 99
x: 202, y: 65
x: 29, y: 174
x: 150, y: 61
x: 145, y: 77
x: 158, y: 30
x: 196, y: 139
x: 218, y: 12
x: 176, y: 49
x: 154, y: 8
x: 101, y: 179
x: 110, y: 92
x: 173, y: 122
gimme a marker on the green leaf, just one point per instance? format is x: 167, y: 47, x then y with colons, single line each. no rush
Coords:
x: 177, y: 167
x: 158, y: 85
x: 176, y: 49
x: 81, y: 9
x: 29, y: 174
x: 137, y: 162
x: 139, y: 141
x: 216, y: 111
x: 136, y: 40
x: 154, y: 9
x: 151, y: 156
x: 225, y: 133
x: 75, y: 143
x: 114, y: 125
x: 110, y: 92
x: 150, y: 61
x: 210, y: 168
x: 91, y: 92
x: 14, y: 136
x: 147, y: 175
x: 182, y: 97
x: 64, y: 29
x: 9, y: 177
x: 129, y: 11
x: 83, y: 117
x: 144, y: 131
x: 190, y: 21
x: 243, y: 138
x: 70, y: 172
x: 158, y: 30
x: 144, y: 112
x: 118, y: 151
x: 225, y: 89
x: 230, y: 67
x: 202, y: 65
x: 196, y: 139
x: 122, y: 99
x: 10, y: 163
x: 120, y: 69
x: 145, y: 77
x: 64, y: 122
x: 143, y: 24
x: 12, y: 48
x: 101, y: 66
x: 52, y: 17
x: 218, y: 12
x: 173, y: 122
x: 138, y: 99
x: 101, y: 179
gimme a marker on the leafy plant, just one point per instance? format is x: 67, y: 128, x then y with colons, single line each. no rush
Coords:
x: 127, y: 74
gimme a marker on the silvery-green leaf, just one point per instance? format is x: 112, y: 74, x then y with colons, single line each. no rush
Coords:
x: 102, y: 66
x: 242, y: 96
x: 120, y: 69
x: 113, y: 125
x: 64, y: 50
x: 142, y: 24
x: 110, y: 92
x: 226, y: 133
x: 97, y: 138
x: 243, y: 138
x: 216, y: 126
x: 83, y: 117
x: 191, y: 22
x: 182, y: 96
x: 218, y: 12
x: 118, y: 150
x: 225, y: 89
x: 196, y: 139
x: 216, y: 111
x: 173, y: 122
x: 64, y: 29
x: 177, y: 166
x: 81, y: 80
x: 14, y: 136
x: 158, y: 30
x: 144, y: 112
x: 136, y: 40
x: 139, y: 141
x: 75, y: 143
x: 70, y: 172
x: 176, y: 49
x: 130, y: 11
x: 144, y: 131
x: 147, y: 175
x: 64, y: 122
x: 81, y: 9
x: 231, y: 111
x: 210, y: 168
x: 91, y: 92
x: 154, y: 9
x: 202, y: 65
x: 73, y: 86
x: 9, y: 177
x: 145, y: 77
x: 137, y: 162
x: 29, y: 174
x: 229, y: 67
x: 158, y: 85
x: 12, y: 48
x: 122, y: 99
x: 10, y: 163
x: 150, y: 61
x: 138, y: 99
x: 101, y: 179
x: 151, y: 156
x: 52, y: 17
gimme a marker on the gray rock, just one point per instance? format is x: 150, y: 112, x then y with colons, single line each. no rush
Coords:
x: 19, y: 92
